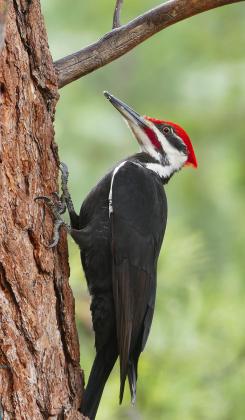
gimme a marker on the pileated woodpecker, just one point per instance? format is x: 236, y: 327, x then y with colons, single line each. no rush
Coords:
x: 119, y: 230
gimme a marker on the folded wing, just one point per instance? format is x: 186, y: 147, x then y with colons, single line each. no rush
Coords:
x: 138, y: 219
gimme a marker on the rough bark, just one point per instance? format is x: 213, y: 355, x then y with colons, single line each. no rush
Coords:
x: 3, y: 14
x: 40, y: 376
x: 121, y: 40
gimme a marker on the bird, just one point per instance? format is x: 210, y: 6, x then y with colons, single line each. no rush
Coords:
x: 119, y: 231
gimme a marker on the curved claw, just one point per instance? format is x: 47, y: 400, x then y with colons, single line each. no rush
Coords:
x: 60, y: 203
x: 56, y: 233
x: 56, y: 195
x: 53, y: 206
x: 43, y: 197
x: 52, y: 244
x: 55, y: 209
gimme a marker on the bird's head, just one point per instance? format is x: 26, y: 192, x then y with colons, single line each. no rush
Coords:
x: 165, y: 142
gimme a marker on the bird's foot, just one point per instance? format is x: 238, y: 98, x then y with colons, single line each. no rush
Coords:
x: 59, y: 203
x: 65, y: 197
x: 57, y: 208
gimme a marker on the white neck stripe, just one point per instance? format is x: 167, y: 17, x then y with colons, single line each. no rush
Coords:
x: 112, y: 180
x: 162, y: 171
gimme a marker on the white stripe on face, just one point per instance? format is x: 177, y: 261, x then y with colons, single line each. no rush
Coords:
x: 175, y: 157
x: 144, y: 141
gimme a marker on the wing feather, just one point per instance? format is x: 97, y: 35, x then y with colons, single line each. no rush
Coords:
x: 138, y: 220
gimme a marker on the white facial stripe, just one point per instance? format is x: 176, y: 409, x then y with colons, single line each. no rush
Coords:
x: 175, y: 157
x: 144, y: 141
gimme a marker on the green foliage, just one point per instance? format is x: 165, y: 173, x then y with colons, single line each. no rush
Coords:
x: 193, y: 367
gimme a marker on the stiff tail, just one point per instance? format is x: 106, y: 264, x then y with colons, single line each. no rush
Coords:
x: 132, y: 379
x: 131, y: 372
x: 124, y: 358
x: 100, y: 371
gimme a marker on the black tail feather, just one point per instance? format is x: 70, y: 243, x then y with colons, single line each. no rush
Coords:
x: 99, y: 374
x: 132, y: 379
x: 124, y: 361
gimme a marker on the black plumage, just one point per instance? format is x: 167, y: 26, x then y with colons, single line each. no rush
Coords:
x: 120, y: 230
x: 119, y: 253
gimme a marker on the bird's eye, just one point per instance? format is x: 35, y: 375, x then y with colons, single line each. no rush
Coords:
x: 166, y: 130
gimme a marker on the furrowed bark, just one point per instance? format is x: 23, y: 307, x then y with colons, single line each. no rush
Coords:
x: 40, y: 376
x: 3, y: 15
x: 121, y: 40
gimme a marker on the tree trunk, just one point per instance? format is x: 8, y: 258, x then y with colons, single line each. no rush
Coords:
x: 40, y: 376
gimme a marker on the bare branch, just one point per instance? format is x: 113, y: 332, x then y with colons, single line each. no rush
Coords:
x: 3, y: 15
x: 121, y: 40
x: 116, y: 16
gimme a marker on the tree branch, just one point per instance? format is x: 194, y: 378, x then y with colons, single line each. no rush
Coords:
x: 121, y: 40
x: 3, y: 15
x: 116, y: 16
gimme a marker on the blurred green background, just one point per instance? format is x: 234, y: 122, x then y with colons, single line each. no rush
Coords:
x: 193, y: 73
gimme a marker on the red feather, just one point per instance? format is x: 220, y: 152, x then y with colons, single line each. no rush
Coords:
x: 192, y: 160
x: 153, y: 137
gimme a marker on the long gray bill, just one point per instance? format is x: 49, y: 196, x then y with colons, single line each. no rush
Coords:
x: 125, y: 110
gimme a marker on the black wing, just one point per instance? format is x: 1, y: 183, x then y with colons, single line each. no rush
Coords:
x: 138, y: 221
